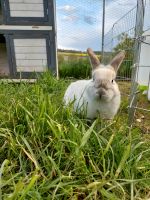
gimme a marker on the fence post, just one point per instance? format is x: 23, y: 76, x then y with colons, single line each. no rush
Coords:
x: 137, y: 48
x: 103, y: 28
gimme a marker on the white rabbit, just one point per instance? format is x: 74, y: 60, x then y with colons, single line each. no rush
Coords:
x: 99, y: 95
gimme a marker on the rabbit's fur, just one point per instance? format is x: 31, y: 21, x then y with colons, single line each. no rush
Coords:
x: 99, y: 95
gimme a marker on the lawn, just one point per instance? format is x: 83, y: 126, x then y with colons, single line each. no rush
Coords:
x: 48, y: 152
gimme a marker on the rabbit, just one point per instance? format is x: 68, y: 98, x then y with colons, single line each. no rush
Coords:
x: 99, y: 96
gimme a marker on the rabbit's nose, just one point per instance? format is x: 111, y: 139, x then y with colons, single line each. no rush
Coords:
x: 101, y: 92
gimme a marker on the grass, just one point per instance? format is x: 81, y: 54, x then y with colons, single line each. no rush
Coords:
x: 75, y: 68
x: 48, y: 152
x: 78, y: 66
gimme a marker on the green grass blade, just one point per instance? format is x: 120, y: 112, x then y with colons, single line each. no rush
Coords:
x: 34, y: 178
x: 87, y: 135
x: 18, y: 189
x: 5, y: 162
x: 108, y: 195
x: 124, y: 158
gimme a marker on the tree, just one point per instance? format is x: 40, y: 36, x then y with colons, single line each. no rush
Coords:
x: 126, y: 43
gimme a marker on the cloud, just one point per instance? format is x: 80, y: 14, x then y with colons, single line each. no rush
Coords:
x: 67, y: 13
x: 80, y: 40
x: 67, y: 8
x: 71, y: 18
x: 89, y: 20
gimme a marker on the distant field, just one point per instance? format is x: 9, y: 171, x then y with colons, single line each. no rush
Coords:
x: 74, y: 54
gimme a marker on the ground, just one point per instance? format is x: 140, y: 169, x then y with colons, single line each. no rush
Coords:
x: 49, y: 152
x: 142, y: 117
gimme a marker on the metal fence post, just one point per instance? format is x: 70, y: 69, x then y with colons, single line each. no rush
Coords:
x: 103, y: 28
x: 137, y: 48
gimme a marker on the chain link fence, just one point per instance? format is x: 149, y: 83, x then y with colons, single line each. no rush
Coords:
x: 78, y: 27
x: 79, y: 24
x: 139, y: 107
x: 121, y: 37
x: 131, y: 33
x: 127, y: 27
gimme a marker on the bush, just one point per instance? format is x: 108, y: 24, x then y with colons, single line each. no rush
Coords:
x: 125, y: 69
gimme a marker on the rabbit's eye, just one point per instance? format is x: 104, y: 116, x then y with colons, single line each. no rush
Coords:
x: 112, y: 81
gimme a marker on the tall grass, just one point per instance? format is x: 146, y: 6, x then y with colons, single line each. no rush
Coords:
x: 48, y: 152
x: 75, y: 68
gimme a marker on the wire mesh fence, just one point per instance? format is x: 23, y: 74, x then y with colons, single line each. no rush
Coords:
x: 139, y: 107
x: 78, y: 27
x: 127, y: 27
x: 121, y: 37
x: 79, y: 24
x: 131, y: 33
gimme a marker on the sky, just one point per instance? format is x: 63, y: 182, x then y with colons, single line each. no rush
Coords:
x: 79, y: 22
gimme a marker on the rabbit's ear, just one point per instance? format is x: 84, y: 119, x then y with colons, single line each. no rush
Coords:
x: 117, y: 60
x: 93, y: 58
